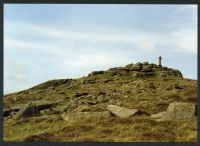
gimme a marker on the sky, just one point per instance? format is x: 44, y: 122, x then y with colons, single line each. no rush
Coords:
x: 58, y: 41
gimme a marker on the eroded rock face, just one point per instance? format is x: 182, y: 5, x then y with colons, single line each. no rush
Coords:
x: 83, y: 115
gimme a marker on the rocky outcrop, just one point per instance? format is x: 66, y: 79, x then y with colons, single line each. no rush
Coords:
x: 33, y: 108
x: 28, y: 110
x: 139, y: 69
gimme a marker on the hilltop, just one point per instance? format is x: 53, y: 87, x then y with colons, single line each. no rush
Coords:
x: 148, y: 88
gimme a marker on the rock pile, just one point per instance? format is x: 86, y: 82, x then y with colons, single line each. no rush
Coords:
x: 139, y: 69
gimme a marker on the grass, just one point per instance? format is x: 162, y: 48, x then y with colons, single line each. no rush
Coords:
x: 111, y: 129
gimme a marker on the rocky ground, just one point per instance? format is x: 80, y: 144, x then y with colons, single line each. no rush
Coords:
x: 139, y: 102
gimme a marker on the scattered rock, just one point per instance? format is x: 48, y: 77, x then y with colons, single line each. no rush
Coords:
x: 83, y: 115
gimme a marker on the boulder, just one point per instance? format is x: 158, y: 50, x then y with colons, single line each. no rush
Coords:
x: 124, y: 112
x: 129, y: 66
x: 181, y: 110
x: 83, y: 115
x: 136, y: 68
x: 177, y: 111
x: 147, y: 68
x: 138, y: 64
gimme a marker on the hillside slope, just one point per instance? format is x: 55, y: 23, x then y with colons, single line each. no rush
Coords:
x: 147, y: 87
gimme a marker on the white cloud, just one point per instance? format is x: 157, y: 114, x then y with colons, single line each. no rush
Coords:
x: 186, y: 40
x: 72, y: 52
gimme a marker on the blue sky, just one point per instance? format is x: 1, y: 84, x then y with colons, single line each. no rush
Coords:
x: 54, y: 41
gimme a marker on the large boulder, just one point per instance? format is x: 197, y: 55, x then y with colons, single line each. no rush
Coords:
x: 181, y: 110
x: 83, y: 115
x: 124, y: 112
x: 177, y: 111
